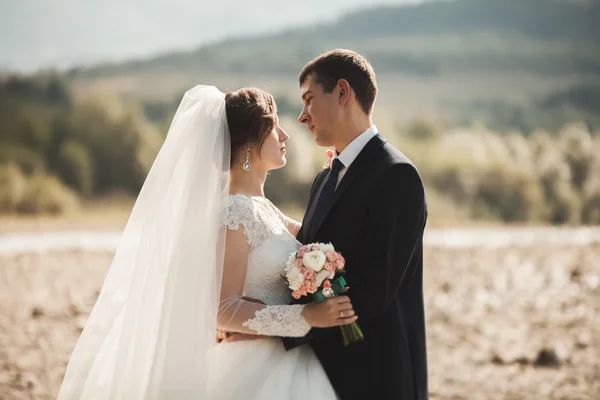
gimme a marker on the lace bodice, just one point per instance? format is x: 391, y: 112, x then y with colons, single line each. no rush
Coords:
x: 270, y: 247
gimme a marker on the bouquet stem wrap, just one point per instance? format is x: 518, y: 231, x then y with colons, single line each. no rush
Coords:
x: 350, y: 333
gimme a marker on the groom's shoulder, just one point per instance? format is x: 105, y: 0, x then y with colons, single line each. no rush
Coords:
x: 393, y: 163
x: 390, y: 156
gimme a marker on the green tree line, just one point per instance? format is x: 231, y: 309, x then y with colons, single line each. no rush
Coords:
x: 57, y: 149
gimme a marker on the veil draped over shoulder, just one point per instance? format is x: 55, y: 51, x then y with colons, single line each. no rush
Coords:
x: 154, y: 322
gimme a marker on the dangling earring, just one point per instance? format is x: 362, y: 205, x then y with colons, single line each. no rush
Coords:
x: 247, y: 166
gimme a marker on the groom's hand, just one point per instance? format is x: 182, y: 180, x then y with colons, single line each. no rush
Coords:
x: 224, y: 336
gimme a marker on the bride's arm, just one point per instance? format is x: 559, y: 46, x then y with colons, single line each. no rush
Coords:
x: 239, y: 315
x: 291, y: 224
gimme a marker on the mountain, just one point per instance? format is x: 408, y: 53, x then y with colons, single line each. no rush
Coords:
x: 543, y: 37
x: 61, y: 33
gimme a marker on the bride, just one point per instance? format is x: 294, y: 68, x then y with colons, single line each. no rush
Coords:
x: 201, y: 243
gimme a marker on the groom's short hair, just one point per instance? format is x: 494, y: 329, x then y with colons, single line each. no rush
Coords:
x: 328, y: 68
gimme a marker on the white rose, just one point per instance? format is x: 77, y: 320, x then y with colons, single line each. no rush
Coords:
x: 295, y: 278
x: 321, y: 276
x: 326, y: 247
x: 292, y: 260
x: 314, y: 260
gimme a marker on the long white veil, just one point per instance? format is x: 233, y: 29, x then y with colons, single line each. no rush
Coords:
x: 155, y: 319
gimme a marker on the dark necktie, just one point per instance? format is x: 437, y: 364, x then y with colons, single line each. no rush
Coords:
x: 326, y: 195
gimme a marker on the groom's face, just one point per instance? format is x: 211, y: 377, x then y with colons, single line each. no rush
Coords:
x: 320, y: 111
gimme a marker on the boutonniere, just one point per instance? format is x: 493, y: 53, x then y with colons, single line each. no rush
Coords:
x: 329, y: 154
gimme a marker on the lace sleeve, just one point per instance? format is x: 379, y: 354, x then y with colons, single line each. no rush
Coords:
x: 284, y: 320
x: 241, y: 211
x: 237, y: 314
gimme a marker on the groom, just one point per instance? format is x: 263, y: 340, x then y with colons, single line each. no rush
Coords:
x: 370, y: 204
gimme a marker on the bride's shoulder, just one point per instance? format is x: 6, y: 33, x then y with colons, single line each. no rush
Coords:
x: 236, y: 203
x: 239, y: 201
x: 238, y: 209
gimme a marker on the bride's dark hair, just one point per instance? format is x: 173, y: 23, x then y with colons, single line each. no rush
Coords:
x: 250, y: 116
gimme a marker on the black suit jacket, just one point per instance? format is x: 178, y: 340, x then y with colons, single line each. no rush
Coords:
x: 376, y: 221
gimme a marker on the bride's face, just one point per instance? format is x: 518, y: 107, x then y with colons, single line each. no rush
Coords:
x: 272, y: 152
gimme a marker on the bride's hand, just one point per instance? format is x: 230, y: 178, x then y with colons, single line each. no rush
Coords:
x: 335, y: 311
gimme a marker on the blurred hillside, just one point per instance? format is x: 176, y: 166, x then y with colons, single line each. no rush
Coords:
x: 514, y: 64
x: 113, y: 30
x: 496, y: 102
x: 549, y: 37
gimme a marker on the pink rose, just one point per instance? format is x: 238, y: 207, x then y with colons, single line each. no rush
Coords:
x: 296, y: 295
x: 339, y: 264
x: 329, y: 266
x: 326, y: 284
x: 308, y: 274
x: 302, y: 250
x: 329, y: 154
x: 305, y: 284
x: 331, y: 256
x: 299, y: 264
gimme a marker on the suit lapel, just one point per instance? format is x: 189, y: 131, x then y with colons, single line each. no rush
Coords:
x: 306, y: 226
x: 360, y: 164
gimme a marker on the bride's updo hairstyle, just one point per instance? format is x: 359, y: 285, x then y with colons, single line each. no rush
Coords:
x: 250, y: 116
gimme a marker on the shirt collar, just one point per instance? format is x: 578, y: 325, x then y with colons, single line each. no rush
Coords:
x: 354, y: 148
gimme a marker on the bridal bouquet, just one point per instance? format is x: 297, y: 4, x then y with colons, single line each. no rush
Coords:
x: 316, y: 269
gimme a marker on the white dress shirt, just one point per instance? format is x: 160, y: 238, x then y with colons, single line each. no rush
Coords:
x: 353, y: 149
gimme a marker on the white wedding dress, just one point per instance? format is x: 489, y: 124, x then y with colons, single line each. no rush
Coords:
x: 262, y: 368
x: 151, y: 334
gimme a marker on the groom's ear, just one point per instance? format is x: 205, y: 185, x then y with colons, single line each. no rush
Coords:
x: 344, y: 91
